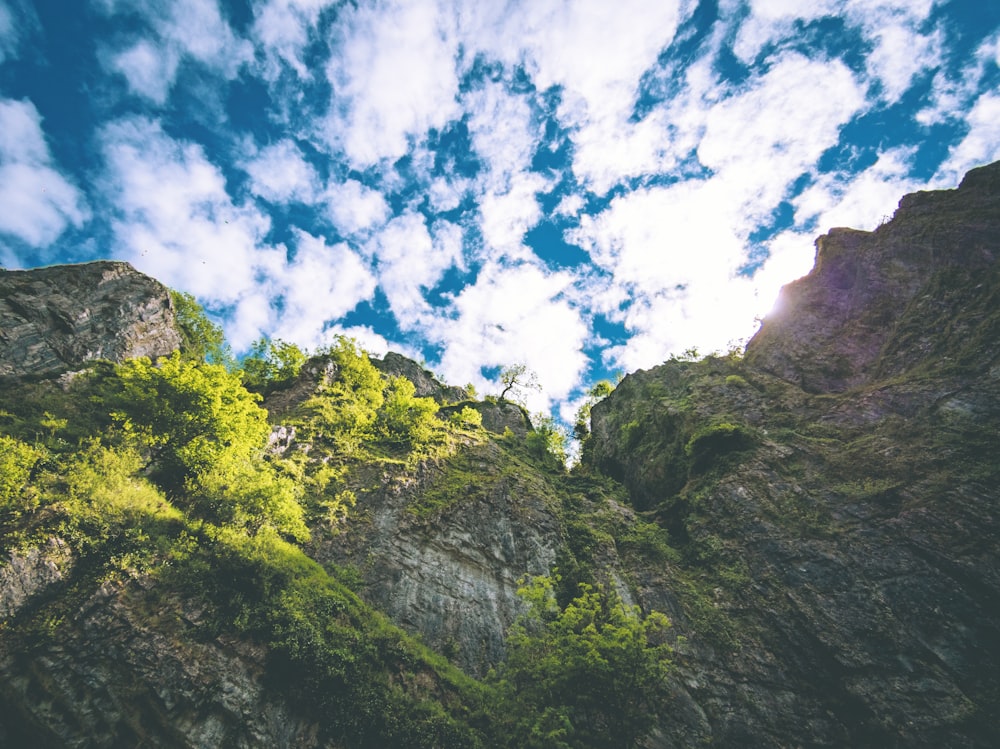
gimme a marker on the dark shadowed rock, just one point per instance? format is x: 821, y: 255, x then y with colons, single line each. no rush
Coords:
x: 830, y: 328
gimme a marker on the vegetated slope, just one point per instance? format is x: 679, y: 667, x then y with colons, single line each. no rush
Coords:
x: 817, y: 517
x: 834, y: 493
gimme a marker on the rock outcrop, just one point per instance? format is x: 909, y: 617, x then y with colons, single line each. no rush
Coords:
x: 835, y: 492
x: 872, y: 305
x: 57, y: 319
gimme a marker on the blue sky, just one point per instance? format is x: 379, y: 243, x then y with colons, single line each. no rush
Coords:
x: 584, y: 187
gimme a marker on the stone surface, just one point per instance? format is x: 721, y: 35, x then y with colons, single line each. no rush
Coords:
x: 441, y: 550
x: 425, y: 383
x: 128, y: 675
x: 57, y: 319
x: 830, y: 327
x: 850, y: 545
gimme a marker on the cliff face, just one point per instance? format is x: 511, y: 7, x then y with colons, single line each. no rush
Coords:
x: 873, y: 305
x: 57, y: 319
x: 818, y: 518
x: 837, y: 490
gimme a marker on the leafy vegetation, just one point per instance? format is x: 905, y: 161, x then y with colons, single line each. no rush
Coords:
x: 159, y: 469
x: 590, y: 674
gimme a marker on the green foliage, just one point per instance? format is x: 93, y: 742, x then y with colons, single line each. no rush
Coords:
x: 404, y: 418
x: 466, y: 417
x: 203, y: 340
x: 581, y: 427
x: 194, y: 418
x: 340, y: 662
x: 716, y: 440
x: 271, y: 363
x: 588, y: 675
x: 17, y: 463
x: 204, y: 434
x: 107, y: 507
x: 345, y: 410
x: 547, y: 441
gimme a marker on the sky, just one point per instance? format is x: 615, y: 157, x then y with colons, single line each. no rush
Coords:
x: 585, y: 187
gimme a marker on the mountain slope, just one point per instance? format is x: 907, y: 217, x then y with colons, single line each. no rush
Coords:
x: 818, y: 518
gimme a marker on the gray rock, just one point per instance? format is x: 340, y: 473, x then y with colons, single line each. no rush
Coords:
x: 57, y: 319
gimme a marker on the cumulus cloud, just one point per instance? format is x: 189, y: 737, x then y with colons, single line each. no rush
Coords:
x: 393, y: 77
x: 861, y: 200
x: 175, y: 221
x: 283, y: 29
x: 280, y: 173
x: 764, y: 137
x: 514, y: 314
x: 981, y: 144
x: 900, y: 49
x: 191, y: 29
x: 353, y: 207
x: 39, y: 203
x: 321, y: 284
x: 410, y: 261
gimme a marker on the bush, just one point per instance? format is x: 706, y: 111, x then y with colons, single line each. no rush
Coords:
x: 17, y: 462
x: 588, y: 675
x: 404, y: 418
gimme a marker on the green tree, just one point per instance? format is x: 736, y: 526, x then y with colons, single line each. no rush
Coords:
x: 17, y: 462
x: 345, y: 410
x: 581, y: 427
x: 204, y: 435
x: 516, y: 380
x: 590, y: 675
x: 403, y: 417
x: 190, y: 416
x: 547, y: 440
x: 271, y: 363
x: 203, y: 340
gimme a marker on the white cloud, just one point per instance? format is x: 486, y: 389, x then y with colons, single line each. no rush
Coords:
x: 514, y: 314
x: 595, y: 50
x: 176, y: 222
x: 862, y: 200
x: 9, y: 34
x: 284, y: 27
x: 569, y: 206
x: 506, y: 217
x: 148, y: 68
x: 981, y: 145
x: 280, y: 173
x: 900, y: 51
x: 504, y: 132
x: 184, y: 28
x: 409, y: 261
x: 766, y: 136
x: 354, y: 207
x: 393, y: 77
x: 38, y: 201
x: 321, y: 284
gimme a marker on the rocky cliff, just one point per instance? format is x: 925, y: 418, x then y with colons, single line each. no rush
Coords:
x: 836, y: 490
x: 57, y: 319
x: 817, y: 517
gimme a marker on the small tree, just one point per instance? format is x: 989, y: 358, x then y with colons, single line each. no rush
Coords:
x: 271, y: 363
x: 581, y: 428
x: 203, y: 340
x: 516, y: 379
